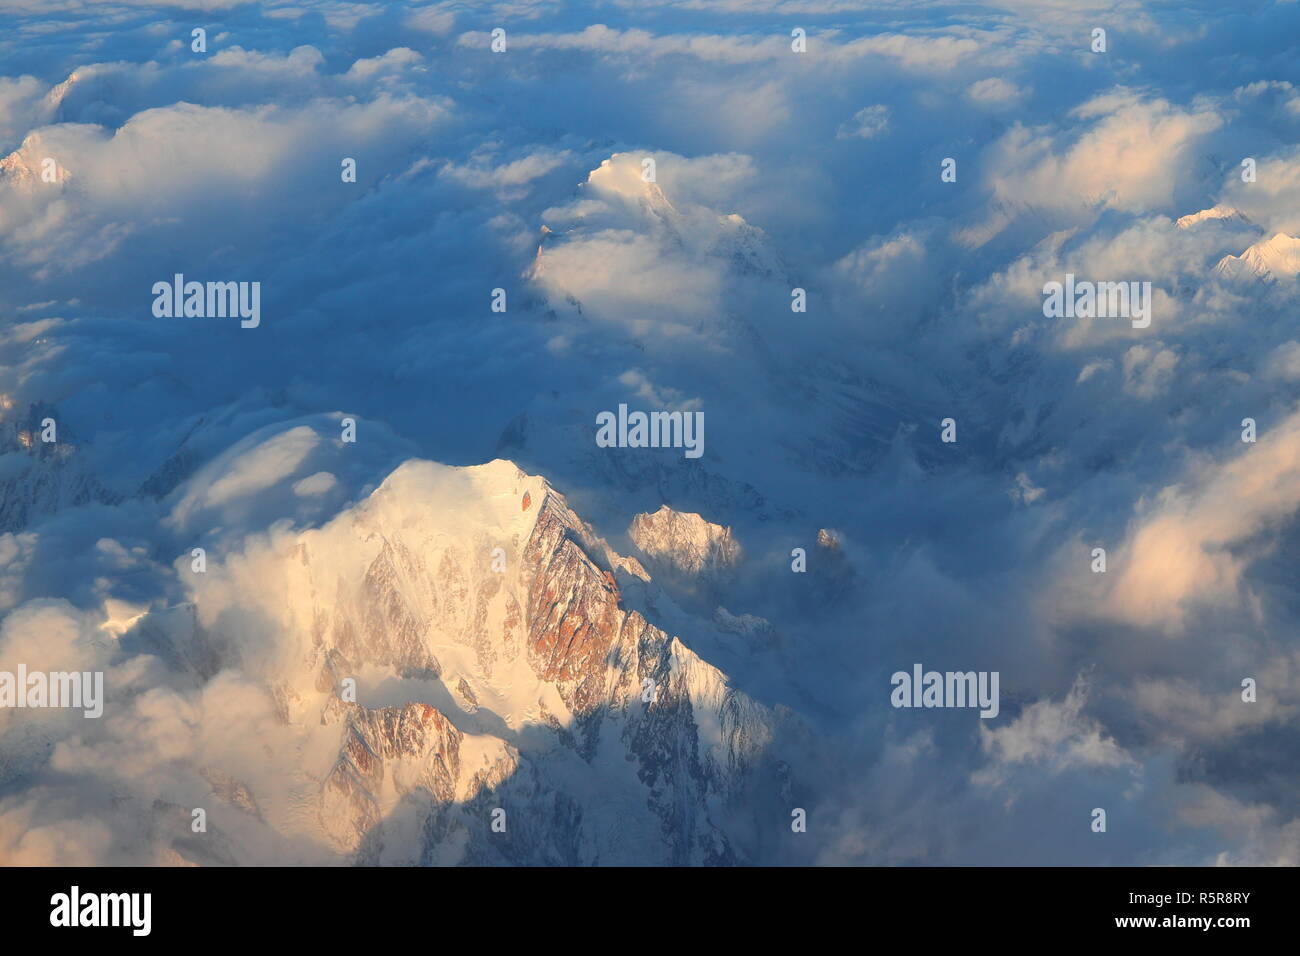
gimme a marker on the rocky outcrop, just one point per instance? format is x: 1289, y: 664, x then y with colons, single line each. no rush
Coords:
x: 685, y: 543
x: 388, y: 753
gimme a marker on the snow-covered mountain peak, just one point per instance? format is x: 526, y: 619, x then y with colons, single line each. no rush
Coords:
x: 482, y: 623
x: 1275, y: 258
x: 495, y: 496
x: 22, y: 168
x: 622, y: 177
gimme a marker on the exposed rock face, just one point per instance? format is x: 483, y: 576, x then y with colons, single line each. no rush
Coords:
x: 685, y: 543
x: 573, y: 613
x: 386, y: 753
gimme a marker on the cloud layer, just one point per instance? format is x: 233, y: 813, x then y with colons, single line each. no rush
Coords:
x: 773, y: 170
